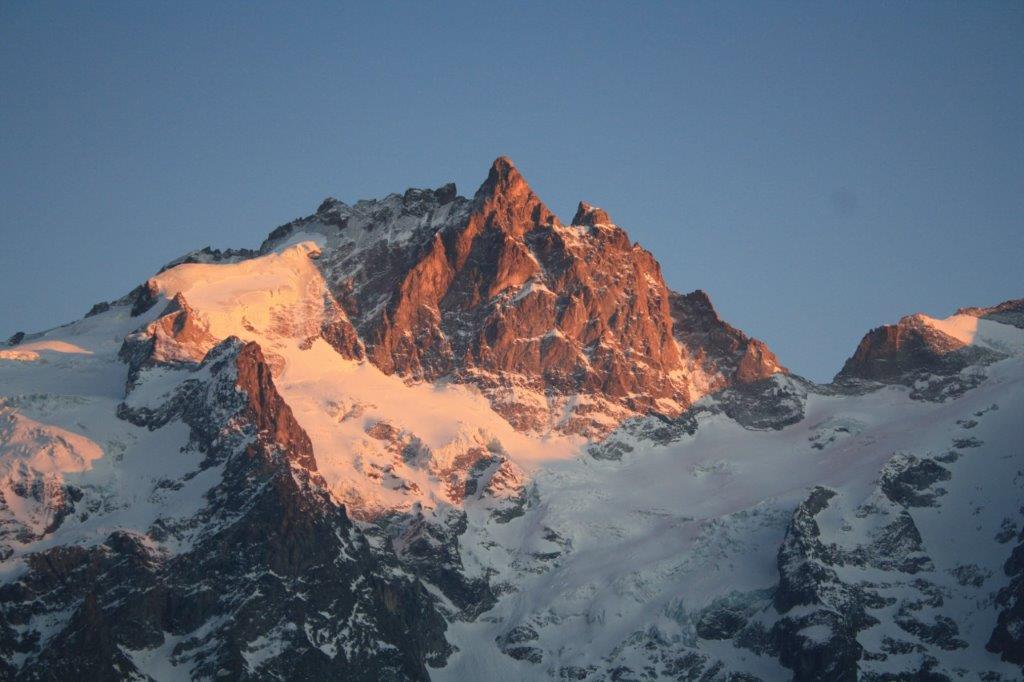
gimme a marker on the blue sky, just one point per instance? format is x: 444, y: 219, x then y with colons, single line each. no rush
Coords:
x: 818, y: 168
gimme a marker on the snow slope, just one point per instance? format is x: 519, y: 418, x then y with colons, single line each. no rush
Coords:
x: 641, y: 546
x: 276, y: 300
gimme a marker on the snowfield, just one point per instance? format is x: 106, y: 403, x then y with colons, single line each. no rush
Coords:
x: 646, y: 543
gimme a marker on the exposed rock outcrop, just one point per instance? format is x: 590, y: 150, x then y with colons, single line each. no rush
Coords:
x: 589, y: 216
x: 178, y: 338
x: 915, y: 352
x: 1008, y: 312
x: 896, y: 351
x: 1008, y: 635
x: 725, y: 353
x: 903, y: 352
x: 497, y: 292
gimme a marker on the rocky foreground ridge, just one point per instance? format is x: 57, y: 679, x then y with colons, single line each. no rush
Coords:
x: 438, y: 437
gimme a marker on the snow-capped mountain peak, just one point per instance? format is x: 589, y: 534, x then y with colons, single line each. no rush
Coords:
x: 427, y: 436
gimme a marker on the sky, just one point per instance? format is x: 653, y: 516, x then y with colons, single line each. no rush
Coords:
x: 819, y: 169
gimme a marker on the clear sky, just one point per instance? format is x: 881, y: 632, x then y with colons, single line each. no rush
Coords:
x: 818, y: 168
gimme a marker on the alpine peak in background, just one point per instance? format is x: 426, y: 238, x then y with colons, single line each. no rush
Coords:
x: 437, y: 437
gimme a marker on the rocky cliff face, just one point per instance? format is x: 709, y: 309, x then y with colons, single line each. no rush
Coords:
x: 911, y: 346
x: 543, y: 317
x: 1008, y: 312
x: 270, y: 579
x: 724, y: 353
x: 937, y: 360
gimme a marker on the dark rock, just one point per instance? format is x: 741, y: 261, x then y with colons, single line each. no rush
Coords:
x: 892, y: 351
x: 1007, y: 637
x: 900, y: 647
x: 832, y: 655
x: 720, y: 624
x: 430, y: 549
x: 611, y: 449
x: 718, y: 346
x: 808, y: 577
x: 325, y: 206
x: 142, y: 298
x: 446, y: 194
x: 764, y: 404
x: 1007, y: 531
x: 910, y: 481
x: 970, y: 574
x: 655, y: 428
x: 690, y: 666
x: 942, y: 632
x: 925, y: 672
x: 177, y: 338
x: 1008, y: 312
x: 337, y: 330
x: 518, y: 635
x: 514, y: 643
x: 525, y: 653
x: 211, y: 255
x: 799, y: 577
x: 98, y: 308
x: 266, y: 409
x: 587, y: 215
x: 279, y: 233
x: 897, y: 546
x: 913, y: 353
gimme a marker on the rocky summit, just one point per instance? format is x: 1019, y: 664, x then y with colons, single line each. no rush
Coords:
x: 431, y: 436
x: 564, y: 327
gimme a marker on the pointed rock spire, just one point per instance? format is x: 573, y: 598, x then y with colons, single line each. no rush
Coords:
x: 446, y: 193
x: 503, y: 178
x: 327, y: 204
x: 507, y: 203
x: 590, y: 215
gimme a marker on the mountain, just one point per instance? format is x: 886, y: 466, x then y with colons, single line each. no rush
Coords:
x: 439, y: 437
x: 565, y: 327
